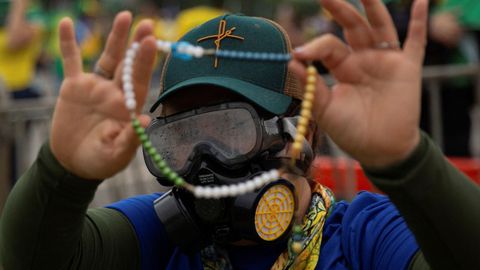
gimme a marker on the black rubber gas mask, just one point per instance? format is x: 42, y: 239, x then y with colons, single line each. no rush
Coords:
x: 223, y: 145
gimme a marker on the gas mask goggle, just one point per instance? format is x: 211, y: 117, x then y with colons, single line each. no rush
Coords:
x: 222, y: 145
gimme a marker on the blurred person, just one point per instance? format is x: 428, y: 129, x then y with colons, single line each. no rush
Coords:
x: 20, y: 47
x: 89, y: 32
x: 372, y: 113
x: 455, y: 25
x: 447, y: 44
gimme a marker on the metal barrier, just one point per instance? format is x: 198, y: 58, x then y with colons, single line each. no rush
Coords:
x: 26, y: 125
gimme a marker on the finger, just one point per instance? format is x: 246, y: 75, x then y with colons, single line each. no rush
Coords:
x: 144, y: 29
x: 332, y: 52
x: 71, y: 57
x: 380, y: 21
x: 417, y: 32
x: 355, y: 28
x: 116, y: 43
x: 322, y: 93
x: 143, y: 68
x: 127, y: 141
x: 110, y: 103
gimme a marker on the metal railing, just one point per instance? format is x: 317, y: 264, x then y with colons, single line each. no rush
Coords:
x: 26, y: 124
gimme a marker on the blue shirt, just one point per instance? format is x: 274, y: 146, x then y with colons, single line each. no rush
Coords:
x: 367, y: 233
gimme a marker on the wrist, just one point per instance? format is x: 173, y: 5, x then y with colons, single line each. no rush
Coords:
x: 395, y: 154
x: 400, y: 169
x: 61, y: 162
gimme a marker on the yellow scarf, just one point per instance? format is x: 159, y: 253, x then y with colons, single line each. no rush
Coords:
x: 322, y: 200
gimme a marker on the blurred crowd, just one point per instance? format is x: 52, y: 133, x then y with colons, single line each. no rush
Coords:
x: 28, y: 41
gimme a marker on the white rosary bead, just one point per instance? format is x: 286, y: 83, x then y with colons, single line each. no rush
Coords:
x: 224, y: 191
x: 127, y: 70
x: 274, y: 174
x: 182, y: 48
x: 258, y: 181
x: 165, y: 46
x: 216, y: 192
x: 135, y: 46
x: 126, y: 78
x: 265, y: 177
x: 128, y: 87
x: 131, y: 104
x: 199, y: 191
x: 129, y: 95
x: 250, y: 184
x: 232, y: 190
x: 198, y: 52
x: 160, y: 44
x: 130, y: 53
x: 128, y: 61
x: 208, y: 193
x: 242, y: 188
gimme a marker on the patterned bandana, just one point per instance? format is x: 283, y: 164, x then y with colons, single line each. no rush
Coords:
x: 214, y: 258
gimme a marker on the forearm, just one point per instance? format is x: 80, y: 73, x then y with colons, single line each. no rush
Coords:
x: 439, y: 203
x: 44, y: 225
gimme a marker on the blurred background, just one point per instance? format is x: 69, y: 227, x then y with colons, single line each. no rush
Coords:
x: 31, y: 73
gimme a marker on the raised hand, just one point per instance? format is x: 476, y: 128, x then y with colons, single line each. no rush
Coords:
x: 91, y: 133
x: 373, y: 110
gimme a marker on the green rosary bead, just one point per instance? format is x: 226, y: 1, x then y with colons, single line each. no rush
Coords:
x: 147, y: 145
x: 157, y: 158
x: 139, y: 130
x: 166, y: 171
x: 178, y: 181
x: 297, y: 229
x: 143, y: 138
x: 172, y: 175
x: 136, y: 123
x: 161, y: 164
x: 151, y: 151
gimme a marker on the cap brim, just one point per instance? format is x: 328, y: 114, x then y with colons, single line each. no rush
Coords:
x: 269, y: 100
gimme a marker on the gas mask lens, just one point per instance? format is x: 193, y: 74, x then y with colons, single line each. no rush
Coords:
x: 230, y: 133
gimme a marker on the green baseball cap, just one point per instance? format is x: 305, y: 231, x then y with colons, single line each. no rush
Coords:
x: 269, y: 85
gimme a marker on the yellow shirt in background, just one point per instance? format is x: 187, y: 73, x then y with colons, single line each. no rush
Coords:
x: 17, y: 67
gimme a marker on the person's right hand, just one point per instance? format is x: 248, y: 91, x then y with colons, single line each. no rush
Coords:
x: 91, y: 133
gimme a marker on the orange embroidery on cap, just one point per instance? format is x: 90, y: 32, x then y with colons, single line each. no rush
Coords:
x: 222, y: 34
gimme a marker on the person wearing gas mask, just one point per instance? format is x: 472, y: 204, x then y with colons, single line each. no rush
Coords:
x: 224, y: 121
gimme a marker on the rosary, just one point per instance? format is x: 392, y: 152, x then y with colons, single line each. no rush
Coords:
x: 187, y: 51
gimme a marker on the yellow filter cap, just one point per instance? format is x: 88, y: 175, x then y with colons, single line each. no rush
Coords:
x: 274, y: 212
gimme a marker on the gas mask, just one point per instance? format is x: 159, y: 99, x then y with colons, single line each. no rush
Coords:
x: 223, y: 145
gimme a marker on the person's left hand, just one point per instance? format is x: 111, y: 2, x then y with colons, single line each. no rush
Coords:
x: 373, y: 110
